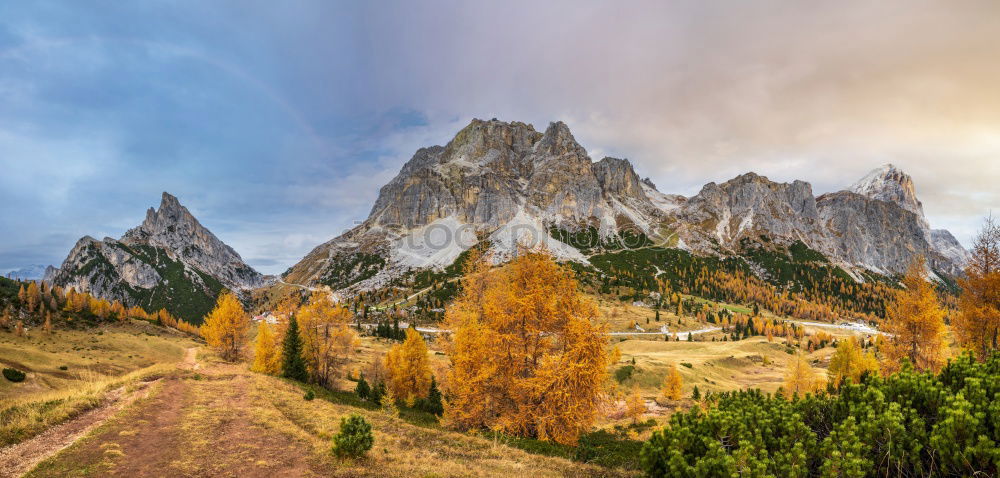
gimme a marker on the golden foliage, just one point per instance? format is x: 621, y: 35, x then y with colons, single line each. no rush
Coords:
x: 977, y: 325
x: 409, y: 368
x: 849, y: 362
x: 525, y: 357
x: 225, y: 328
x: 673, y: 384
x: 635, y: 405
x: 800, y: 378
x: 266, y: 353
x: 33, y: 296
x: 327, y: 339
x: 915, y: 324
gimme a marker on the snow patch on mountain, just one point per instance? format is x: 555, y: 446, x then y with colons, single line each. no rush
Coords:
x: 435, y: 245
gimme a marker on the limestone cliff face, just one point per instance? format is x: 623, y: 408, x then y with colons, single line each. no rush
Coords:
x: 748, y: 206
x: 493, y: 170
x: 170, y: 261
x: 890, y: 184
x: 876, y: 234
x: 882, y: 229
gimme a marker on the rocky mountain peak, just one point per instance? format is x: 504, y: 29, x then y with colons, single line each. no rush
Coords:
x: 170, y: 213
x: 480, y: 136
x: 889, y: 183
x: 169, y: 261
x: 559, y: 141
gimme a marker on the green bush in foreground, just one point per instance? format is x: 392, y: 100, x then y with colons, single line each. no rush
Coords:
x: 13, y: 375
x: 909, y: 424
x: 355, y: 437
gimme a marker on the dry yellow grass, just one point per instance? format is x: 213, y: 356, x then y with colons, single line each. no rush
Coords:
x: 97, y: 361
x: 88, y: 355
x: 23, y: 418
x: 225, y: 420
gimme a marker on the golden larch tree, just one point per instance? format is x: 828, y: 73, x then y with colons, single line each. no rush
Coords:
x: 33, y: 296
x: 409, y: 368
x: 977, y: 324
x: 914, y: 323
x: 19, y: 328
x: 673, y: 384
x: 266, y: 352
x: 6, y: 317
x: 635, y: 405
x: 327, y: 339
x: 526, y: 358
x: 225, y: 328
x: 800, y: 378
x: 850, y: 362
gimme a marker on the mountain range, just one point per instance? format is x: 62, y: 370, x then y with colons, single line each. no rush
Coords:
x: 505, y: 185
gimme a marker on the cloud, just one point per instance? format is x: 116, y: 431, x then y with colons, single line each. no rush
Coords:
x: 701, y: 91
x: 278, y: 125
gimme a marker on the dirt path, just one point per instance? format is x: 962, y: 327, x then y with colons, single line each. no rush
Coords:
x: 17, y: 459
x: 195, y: 425
x: 190, y: 359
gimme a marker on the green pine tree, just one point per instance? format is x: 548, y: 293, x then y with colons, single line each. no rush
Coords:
x: 377, y: 392
x: 292, y: 364
x: 433, y: 403
x: 362, y: 389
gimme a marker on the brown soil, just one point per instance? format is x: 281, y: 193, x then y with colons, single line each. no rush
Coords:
x: 196, y: 426
x: 19, y: 458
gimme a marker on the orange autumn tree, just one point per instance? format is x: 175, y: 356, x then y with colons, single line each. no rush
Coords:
x: 673, y: 384
x: 409, y: 368
x: 635, y: 405
x: 800, y: 378
x: 266, y: 353
x: 977, y: 325
x: 525, y: 357
x: 849, y: 363
x: 914, y: 323
x: 225, y: 328
x: 33, y: 296
x: 327, y: 339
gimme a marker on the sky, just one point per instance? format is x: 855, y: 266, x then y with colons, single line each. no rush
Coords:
x: 276, y: 123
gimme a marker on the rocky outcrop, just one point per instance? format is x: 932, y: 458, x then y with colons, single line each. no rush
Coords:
x: 170, y: 261
x: 890, y: 184
x: 948, y: 247
x: 747, y: 207
x: 874, y: 234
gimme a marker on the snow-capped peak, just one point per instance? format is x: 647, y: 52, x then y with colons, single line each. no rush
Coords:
x: 889, y: 183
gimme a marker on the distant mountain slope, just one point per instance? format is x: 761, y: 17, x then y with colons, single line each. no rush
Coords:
x: 506, y: 183
x: 32, y: 272
x: 170, y: 261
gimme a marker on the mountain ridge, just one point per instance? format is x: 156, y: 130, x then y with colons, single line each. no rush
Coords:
x: 506, y: 183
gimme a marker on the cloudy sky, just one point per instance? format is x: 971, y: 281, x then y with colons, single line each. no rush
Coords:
x: 277, y: 122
